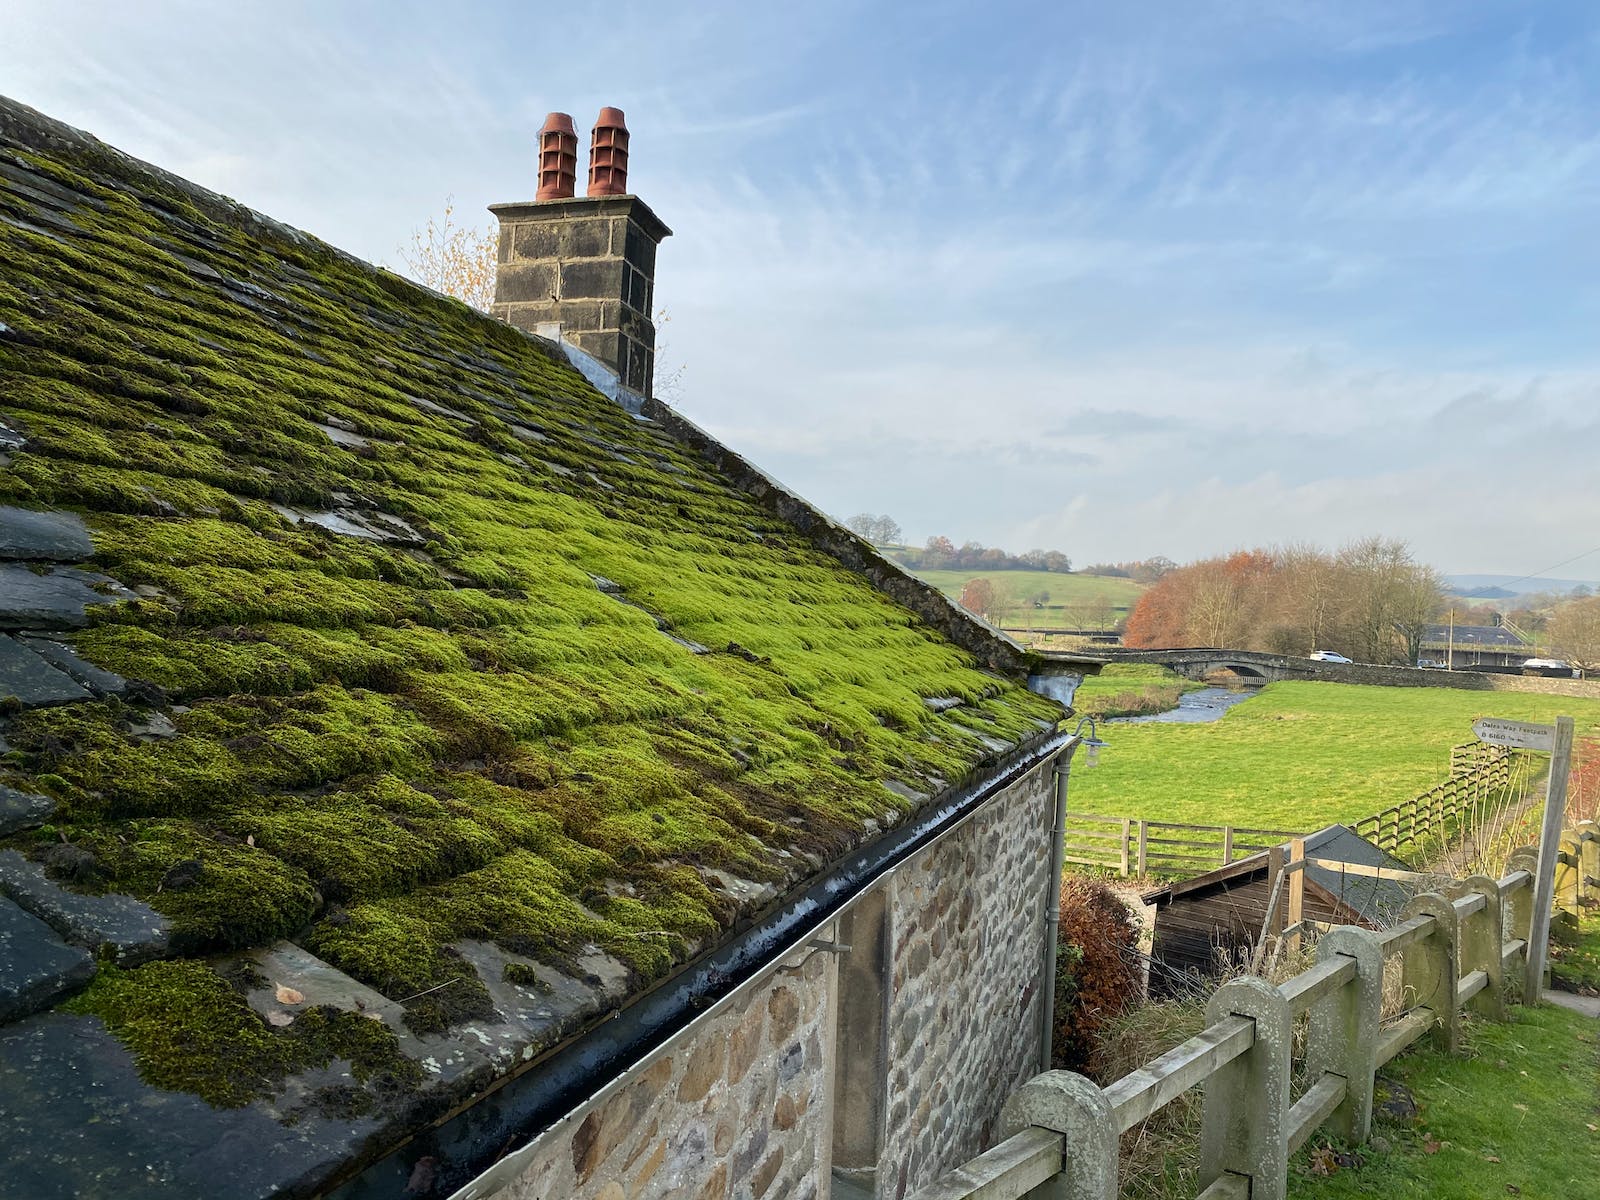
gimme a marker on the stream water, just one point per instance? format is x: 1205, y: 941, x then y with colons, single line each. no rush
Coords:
x: 1208, y: 704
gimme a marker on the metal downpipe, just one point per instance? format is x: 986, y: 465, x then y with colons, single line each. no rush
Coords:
x: 1052, y: 917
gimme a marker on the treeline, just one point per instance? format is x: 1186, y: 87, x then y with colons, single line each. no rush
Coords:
x: 1370, y: 600
x: 1140, y: 570
x: 941, y: 554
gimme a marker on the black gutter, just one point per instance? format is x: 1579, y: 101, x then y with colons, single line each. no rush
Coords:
x: 469, y: 1143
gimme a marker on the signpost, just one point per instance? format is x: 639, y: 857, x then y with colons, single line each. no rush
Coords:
x: 1556, y: 740
x: 1519, y: 735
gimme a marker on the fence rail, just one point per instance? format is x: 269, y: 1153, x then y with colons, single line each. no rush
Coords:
x: 1133, y: 847
x: 1456, y: 948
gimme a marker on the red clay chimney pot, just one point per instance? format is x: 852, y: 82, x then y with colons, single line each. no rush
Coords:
x: 608, y: 154
x: 558, y: 158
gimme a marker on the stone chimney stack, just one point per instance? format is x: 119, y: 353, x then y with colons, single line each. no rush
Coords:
x: 583, y: 268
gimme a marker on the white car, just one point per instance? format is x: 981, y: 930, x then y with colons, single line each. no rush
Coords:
x: 1328, y: 656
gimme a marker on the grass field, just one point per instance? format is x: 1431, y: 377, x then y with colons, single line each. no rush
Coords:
x: 1076, y: 601
x: 1516, y: 1117
x: 1300, y: 755
x: 1575, y: 956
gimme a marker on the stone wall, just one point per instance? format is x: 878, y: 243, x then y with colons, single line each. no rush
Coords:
x: 738, y: 1109
x: 966, y: 922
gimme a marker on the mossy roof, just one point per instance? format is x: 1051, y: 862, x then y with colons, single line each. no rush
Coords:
x: 455, y: 650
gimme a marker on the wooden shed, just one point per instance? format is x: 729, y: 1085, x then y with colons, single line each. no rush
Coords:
x: 1207, y: 925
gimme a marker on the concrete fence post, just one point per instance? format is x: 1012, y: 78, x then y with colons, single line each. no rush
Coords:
x: 1342, y: 1037
x: 1076, y: 1108
x: 1588, y: 859
x: 1519, y: 903
x: 1244, y: 1115
x: 1429, y: 968
x: 1482, y: 937
x: 1568, y: 874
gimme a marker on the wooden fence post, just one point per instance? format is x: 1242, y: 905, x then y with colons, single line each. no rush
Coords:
x: 1076, y: 1108
x: 1342, y: 1036
x: 1227, y: 844
x: 1429, y: 967
x: 1555, y: 815
x: 1244, y: 1115
x: 1127, y: 829
x: 1482, y: 942
x: 1297, y: 890
x: 1144, y: 847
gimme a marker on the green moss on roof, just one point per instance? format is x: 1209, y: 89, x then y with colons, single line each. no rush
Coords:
x: 383, y: 749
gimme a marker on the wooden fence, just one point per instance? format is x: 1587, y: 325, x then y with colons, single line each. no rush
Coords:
x: 1133, y: 847
x: 1456, y: 949
x: 1438, y: 809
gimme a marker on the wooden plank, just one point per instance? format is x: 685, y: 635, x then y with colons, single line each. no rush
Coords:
x: 1402, y: 1031
x: 1369, y: 872
x: 1227, y: 1186
x: 1162, y: 1080
x: 1470, y: 985
x: 1306, y: 988
x: 1008, y: 1172
x: 1406, y: 933
x: 1313, y: 1108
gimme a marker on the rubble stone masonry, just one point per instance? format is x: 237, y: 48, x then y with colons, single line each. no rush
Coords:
x: 966, y: 923
x: 738, y: 1110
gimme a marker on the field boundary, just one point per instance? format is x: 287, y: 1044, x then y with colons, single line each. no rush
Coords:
x: 1133, y: 846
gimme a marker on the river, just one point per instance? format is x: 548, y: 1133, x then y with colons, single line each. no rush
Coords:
x: 1207, y: 704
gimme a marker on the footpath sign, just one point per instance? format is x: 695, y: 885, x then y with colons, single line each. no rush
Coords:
x: 1518, y: 735
x: 1556, y: 740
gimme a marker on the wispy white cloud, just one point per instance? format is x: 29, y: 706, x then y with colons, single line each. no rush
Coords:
x: 1070, y: 274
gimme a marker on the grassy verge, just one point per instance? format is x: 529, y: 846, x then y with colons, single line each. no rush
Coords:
x: 1300, y: 754
x: 1575, y: 956
x: 1516, y: 1117
x: 1131, y: 690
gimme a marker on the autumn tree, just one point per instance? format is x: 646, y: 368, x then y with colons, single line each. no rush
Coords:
x: 454, y: 259
x: 977, y: 596
x: 1574, y: 632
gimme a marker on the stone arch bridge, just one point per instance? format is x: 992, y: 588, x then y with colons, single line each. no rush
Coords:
x: 1256, y: 667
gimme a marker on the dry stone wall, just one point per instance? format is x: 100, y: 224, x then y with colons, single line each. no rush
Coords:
x: 966, y: 923
x: 738, y: 1110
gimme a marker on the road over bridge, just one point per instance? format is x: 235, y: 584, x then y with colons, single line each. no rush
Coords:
x: 1254, y: 666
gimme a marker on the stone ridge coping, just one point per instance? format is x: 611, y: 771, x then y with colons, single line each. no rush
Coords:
x: 29, y: 126
x: 995, y: 650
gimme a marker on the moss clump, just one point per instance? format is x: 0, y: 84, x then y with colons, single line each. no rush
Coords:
x: 389, y: 747
x: 188, y: 1030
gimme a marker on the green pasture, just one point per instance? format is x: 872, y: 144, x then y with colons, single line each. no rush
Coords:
x: 1076, y: 601
x: 1299, y: 755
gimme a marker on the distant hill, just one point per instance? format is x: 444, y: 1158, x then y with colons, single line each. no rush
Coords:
x: 1503, y: 587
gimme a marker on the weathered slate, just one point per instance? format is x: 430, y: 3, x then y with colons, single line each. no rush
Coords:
x: 62, y: 656
x: 27, y: 533
x: 36, y: 967
x: 58, y: 599
x: 64, y: 1081
x: 128, y: 929
x: 22, y: 810
x: 32, y: 680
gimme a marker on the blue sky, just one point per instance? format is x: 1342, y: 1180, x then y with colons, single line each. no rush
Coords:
x: 1121, y: 280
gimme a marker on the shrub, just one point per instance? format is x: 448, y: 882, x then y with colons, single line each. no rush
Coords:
x: 1099, y: 973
